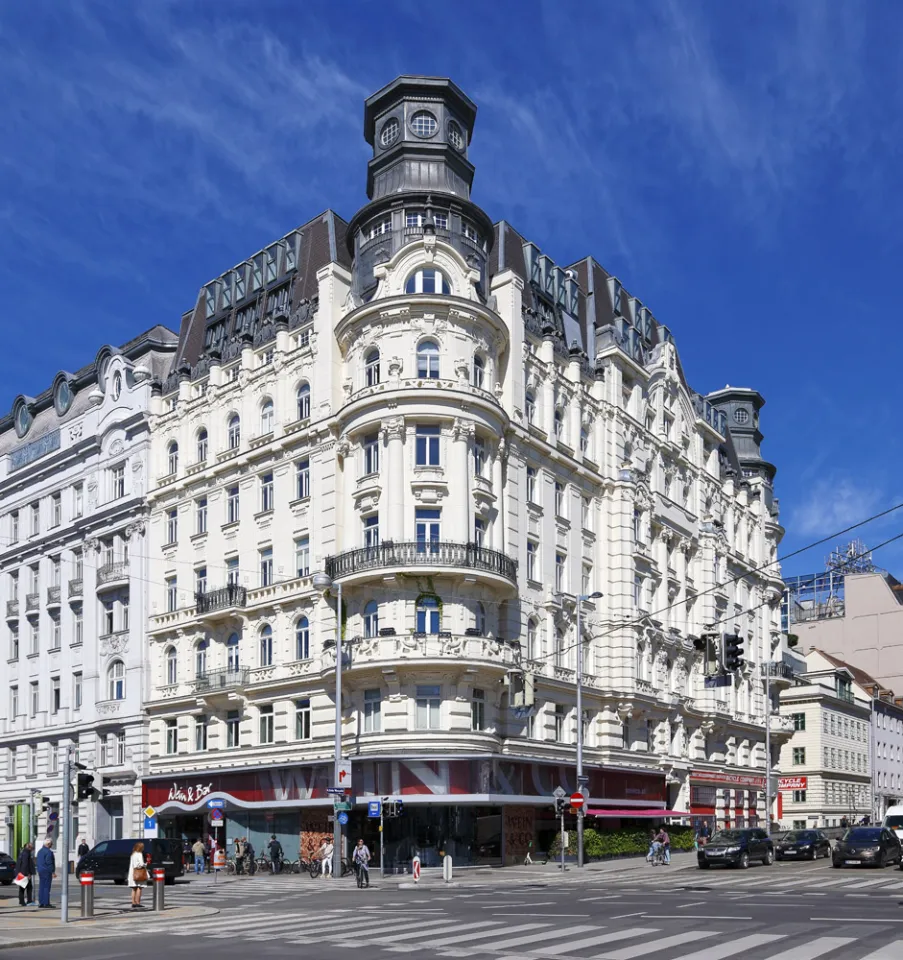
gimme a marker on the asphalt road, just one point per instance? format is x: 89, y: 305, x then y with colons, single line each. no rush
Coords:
x: 795, y: 911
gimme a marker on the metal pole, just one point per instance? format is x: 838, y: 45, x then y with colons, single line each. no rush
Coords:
x: 579, y: 732
x: 382, y: 839
x: 33, y: 837
x: 562, y: 839
x: 768, y: 745
x: 64, y: 835
x: 336, y: 826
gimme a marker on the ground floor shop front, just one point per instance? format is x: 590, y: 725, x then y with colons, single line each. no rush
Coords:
x: 723, y: 800
x: 479, y: 811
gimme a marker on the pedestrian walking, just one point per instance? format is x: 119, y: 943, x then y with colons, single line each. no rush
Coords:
x: 275, y: 850
x: 199, y: 851
x: 239, y: 855
x: 45, y: 862
x: 651, y: 852
x: 25, y: 868
x: 249, y: 856
x: 361, y: 859
x: 83, y: 848
x: 704, y: 833
x: 137, y: 874
x: 326, y: 851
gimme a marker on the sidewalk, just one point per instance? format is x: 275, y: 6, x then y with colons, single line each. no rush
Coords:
x: 33, y: 927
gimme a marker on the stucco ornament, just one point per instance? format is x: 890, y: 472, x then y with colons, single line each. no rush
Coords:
x: 116, y: 644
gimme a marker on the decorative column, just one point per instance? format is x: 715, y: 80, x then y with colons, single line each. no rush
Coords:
x: 394, y: 484
x: 498, y: 527
x: 459, y: 481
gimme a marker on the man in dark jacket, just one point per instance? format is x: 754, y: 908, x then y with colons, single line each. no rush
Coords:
x: 83, y: 848
x: 275, y: 849
x: 25, y: 865
x: 46, y: 864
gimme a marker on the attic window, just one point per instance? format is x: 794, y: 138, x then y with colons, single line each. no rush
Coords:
x: 741, y: 416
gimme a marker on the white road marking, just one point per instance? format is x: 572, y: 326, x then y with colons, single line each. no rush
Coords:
x: 813, y: 949
x: 653, y: 946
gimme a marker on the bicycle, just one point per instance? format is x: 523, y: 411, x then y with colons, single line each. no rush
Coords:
x: 316, y: 867
x: 362, y: 871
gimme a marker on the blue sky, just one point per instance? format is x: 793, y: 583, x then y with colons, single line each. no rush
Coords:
x: 736, y: 164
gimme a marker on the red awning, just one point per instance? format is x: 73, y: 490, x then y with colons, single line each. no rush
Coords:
x: 605, y: 812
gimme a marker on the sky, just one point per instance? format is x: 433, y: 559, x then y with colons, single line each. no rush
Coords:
x: 737, y: 165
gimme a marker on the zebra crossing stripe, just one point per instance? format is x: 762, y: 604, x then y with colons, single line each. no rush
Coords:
x: 463, y: 927
x: 611, y: 937
x: 721, y: 950
x: 546, y: 935
x: 291, y: 924
x: 813, y: 949
x: 862, y: 884
x: 653, y: 946
x: 890, y: 951
x: 467, y: 937
x: 277, y: 920
x: 385, y: 926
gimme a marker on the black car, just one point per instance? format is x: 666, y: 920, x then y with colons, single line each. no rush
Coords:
x: 110, y: 859
x: 7, y: 869
x: 736, y: 848
x: 802, y: 845
x: 869, y: 846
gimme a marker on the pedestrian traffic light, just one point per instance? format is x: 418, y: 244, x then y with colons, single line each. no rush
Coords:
x: 561, y: 805
x: 85, y: 788
x: 43, y: 804
x: 733, y: 652
x: 105, y: 786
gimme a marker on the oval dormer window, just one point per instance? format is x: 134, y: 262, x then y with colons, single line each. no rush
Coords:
x: 427, y: 280
x: 117, y: 385
x: 389, y: 133
x: 63, y: 397
x: 23, y: 420
x: 741, y: 416
x: 424, y: 124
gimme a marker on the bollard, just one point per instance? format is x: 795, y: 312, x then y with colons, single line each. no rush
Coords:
x: 415, y: 869
x: 159, y: 884
x: 447, y: 868
x: 87, y: 882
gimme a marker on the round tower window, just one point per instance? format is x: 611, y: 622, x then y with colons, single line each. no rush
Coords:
x: 741, y: 416
x: 455, y: 135
x: 389, y: 133
x: 423, y: 123
x: 63, y: 398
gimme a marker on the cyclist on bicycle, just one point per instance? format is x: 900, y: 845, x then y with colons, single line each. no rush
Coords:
x: 275, y: 849
x: 361, y: 859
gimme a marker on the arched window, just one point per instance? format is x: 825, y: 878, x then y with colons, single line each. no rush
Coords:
x: 267, y: 416
x: 480, y: 619
x: 116, y: 680
x: 530, y: 404
x: 427, y: 280
x: 200, y: 659
x: 172, y: 666
x: 479, y: 370
x: 532, y: 646
x: 428, y: 360
x: 371, y: 619
x: 232, y: 656
x: 302, y: 639
x: 371, y: 365
x: 428, y: 615
x: 304, y: 401
x: 234, y: 431
x: 202, y: 445
x: 266, y: 646
x: 172, y: 458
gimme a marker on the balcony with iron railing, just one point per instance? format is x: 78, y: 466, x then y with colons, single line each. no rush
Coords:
x: 222, y: 600
x: 779, y: 672
x: 212, y: 681
x: 420, y: 555
x: 113, y: 574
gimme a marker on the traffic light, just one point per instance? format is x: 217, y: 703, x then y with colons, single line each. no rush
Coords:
x: 733, y: 652
x: 42, y: 805
x: 399, y: 808
x: 392, y: 808
x: 105, y: 789
x: 85, y: 787
x: 561, y: 805
x: 708, y: 644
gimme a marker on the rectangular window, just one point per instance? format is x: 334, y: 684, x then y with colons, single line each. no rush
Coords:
x: 118, y: 478
x: 586, y: 580
x: 799, y: 756
x: 560, y: 717
x: 560, y: 572
x: 232, y: 571
x: 13, y: 586
x: 479, y: 532
x: 371, y: 454
x: 799, y: 721
x: 35, y: 518
x: 559, y: 499
x: 78, y: 564
x: 77, y: 690
x: 55, y: 695
x: 586, y: 514
x: 371, y: 530
x: 172, y: 736
x: 478, y: 710
x: 56, y: 510
x: 13, y: 702
x: 14, y: 643
x: 532, y: 551
x: 233, y: 729
x: 32, y: 759
x: 172, y: 526
x: 124, y: 613
x: 55, y: 571
x: 429, y: 701
x: 232, y: 505
x: 107, y: 620
x: 78, y: 626
x: 427, y: 529
x: 77, y: 501
x: 53, y: 758
x: 200, y: 515
x: 200, y: 580
x: 531, y: 485
x: 267, y: 729
x: 638, y: 588
x: 34, y: 703
x: 200, y: 733
x: 35, y: 636
x: 172, y: 594
x: 372, y: 711
x: 479, y: 456
x: 303, y: 479
x: 637, y: 525
x: 266, y: 567
x: 302, y: 556
x: 302, y: 719
x: 267, y: 497
x: 426, y: 446
x: 119, y: 747
x: 14, y: 526
x: 55, y: 633
x: 34, y: 577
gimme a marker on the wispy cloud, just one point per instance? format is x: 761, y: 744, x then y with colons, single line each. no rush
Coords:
x: 834, y: 503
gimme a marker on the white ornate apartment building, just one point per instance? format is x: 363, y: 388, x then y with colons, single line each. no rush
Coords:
x: 469, y: 437
x: 74, y: 587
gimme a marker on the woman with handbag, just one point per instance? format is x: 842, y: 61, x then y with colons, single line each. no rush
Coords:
x: 137, y: 874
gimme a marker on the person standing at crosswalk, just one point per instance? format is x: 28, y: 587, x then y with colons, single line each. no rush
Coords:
x: 326, y: 851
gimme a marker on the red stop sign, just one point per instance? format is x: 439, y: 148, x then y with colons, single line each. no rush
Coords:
x: 577, y: 800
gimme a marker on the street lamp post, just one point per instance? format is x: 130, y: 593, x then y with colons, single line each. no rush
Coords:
x: 580, y: 813
x: 322, y: 581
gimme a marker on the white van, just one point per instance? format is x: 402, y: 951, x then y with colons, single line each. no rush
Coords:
x: 893, y: 820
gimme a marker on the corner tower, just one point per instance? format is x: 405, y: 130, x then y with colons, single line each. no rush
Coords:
x: 419, y: 178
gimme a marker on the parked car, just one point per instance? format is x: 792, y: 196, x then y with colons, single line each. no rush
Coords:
x: 110, y: 859
x: 736, y: 848
x: 893, y: 820
x: 802, y: 845
x: 7, y: 869
x: 869, y: 846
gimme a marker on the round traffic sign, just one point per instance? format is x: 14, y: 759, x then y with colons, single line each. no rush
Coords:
x: 577, y: 800
x: 343, y: 818
x: 216, y: 815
